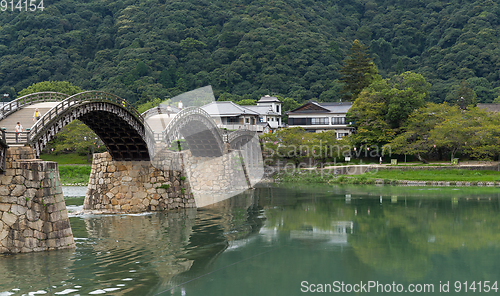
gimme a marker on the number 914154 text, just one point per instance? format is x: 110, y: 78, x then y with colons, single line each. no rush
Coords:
x: 21, y: 5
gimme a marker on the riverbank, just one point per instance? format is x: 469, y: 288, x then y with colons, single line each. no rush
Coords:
x: 415, y: 177
x: 74, y: 175
x: 73, y: 168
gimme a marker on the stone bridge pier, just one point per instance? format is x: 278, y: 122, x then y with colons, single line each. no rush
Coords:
x: 136, y: 186
x: 33, y: 215
x: 172, y: 180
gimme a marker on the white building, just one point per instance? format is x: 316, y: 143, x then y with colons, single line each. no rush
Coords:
x: 263, y: 118
x: 232, y: 116
x: 269, y: 109
x: 320, y: 117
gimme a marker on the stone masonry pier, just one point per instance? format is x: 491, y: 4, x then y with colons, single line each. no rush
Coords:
x: 173, y: 181
x: 135, y: 186
x: 33, y: 214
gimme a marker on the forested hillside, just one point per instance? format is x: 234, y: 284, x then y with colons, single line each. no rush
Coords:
x: 148, y: 49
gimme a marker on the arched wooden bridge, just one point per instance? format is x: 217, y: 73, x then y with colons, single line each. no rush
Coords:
x: 124, y: 131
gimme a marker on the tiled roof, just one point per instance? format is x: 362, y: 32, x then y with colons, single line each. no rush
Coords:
x: 263, y: 110
x: 227, y: 108
x: 315, y: 107
x: 268, y: 99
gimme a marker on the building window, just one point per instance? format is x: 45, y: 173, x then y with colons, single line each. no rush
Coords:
x: 232, y: 120
x: 341, y: 135
x: 338, y: 120
x: 277, y: 108
x: 298, y: 121
x: 319, y: 120
x: 308, y: 121
x: 261, y: 119
x: 247, y: 120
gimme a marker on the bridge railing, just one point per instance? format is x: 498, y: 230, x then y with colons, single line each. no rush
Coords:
x: 156, y: 111
x: 86, y: 97
x: 178, y: 117
x: 233, y: 135
x: 15, y: 137
x: 3, y: 150
x: 40, y: 97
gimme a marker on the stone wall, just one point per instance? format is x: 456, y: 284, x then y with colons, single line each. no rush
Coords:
x: 172, y: 180
x: 33, y: 214
x: 472, y: 167
x: 135, y: 186
x: 214, y: 179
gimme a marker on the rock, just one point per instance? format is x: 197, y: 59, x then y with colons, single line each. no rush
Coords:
x: 9, y: 219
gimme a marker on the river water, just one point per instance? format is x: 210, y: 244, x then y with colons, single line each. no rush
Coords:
x: 279, y: 240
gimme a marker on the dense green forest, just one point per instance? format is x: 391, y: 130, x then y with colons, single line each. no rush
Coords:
x: 141, y: 50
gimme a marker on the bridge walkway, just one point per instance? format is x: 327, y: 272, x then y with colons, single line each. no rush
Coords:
x: 158, y: 123
x: 25, y: 117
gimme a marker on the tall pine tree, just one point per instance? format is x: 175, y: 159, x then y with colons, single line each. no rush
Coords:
x: 358, y: 71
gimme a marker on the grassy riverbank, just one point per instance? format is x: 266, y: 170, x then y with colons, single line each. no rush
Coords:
x: 74, y: 174
x: 73, y: 168
x: 391, y: 176
x: 70, y: 158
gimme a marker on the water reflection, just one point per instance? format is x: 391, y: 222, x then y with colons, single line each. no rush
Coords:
x: 266, y: 241
x: 399, y: 235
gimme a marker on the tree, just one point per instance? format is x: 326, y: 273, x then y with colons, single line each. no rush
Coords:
x: 368, y: 116
x: 246, y: 102
x: 466, y: 96
x: 415, y: 140
x: 56, y: 86
x: 408, y: 93
x: 148, y: 105
x: 383, y: 107
x: 287, y: 105
x: 473, y: 131
x: 358, y: 71
x: 76, y: 137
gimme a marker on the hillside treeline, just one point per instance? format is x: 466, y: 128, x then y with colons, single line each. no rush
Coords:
x: 141, y: 50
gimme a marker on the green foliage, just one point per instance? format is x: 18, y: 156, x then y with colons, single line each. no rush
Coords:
x: 288, y: 104
x: 164, y: 186
x: 76, y: 137
x: 148, y: 105
x: 463, y: 96
x: 141, y: 50
x: 383, y: 107
x: 415, y: 140
x: 179, y: 145
x: 358, y: 71
x: 74, y: 174
x: 388, y: 176
x: 438, y: 175
x: 247, y: 102
x: 66, y: 158
x: 474, y: 132
x: 56, y: 86
x: 295, y: 145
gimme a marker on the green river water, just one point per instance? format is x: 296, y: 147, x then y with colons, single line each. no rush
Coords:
x: 280, y: 240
